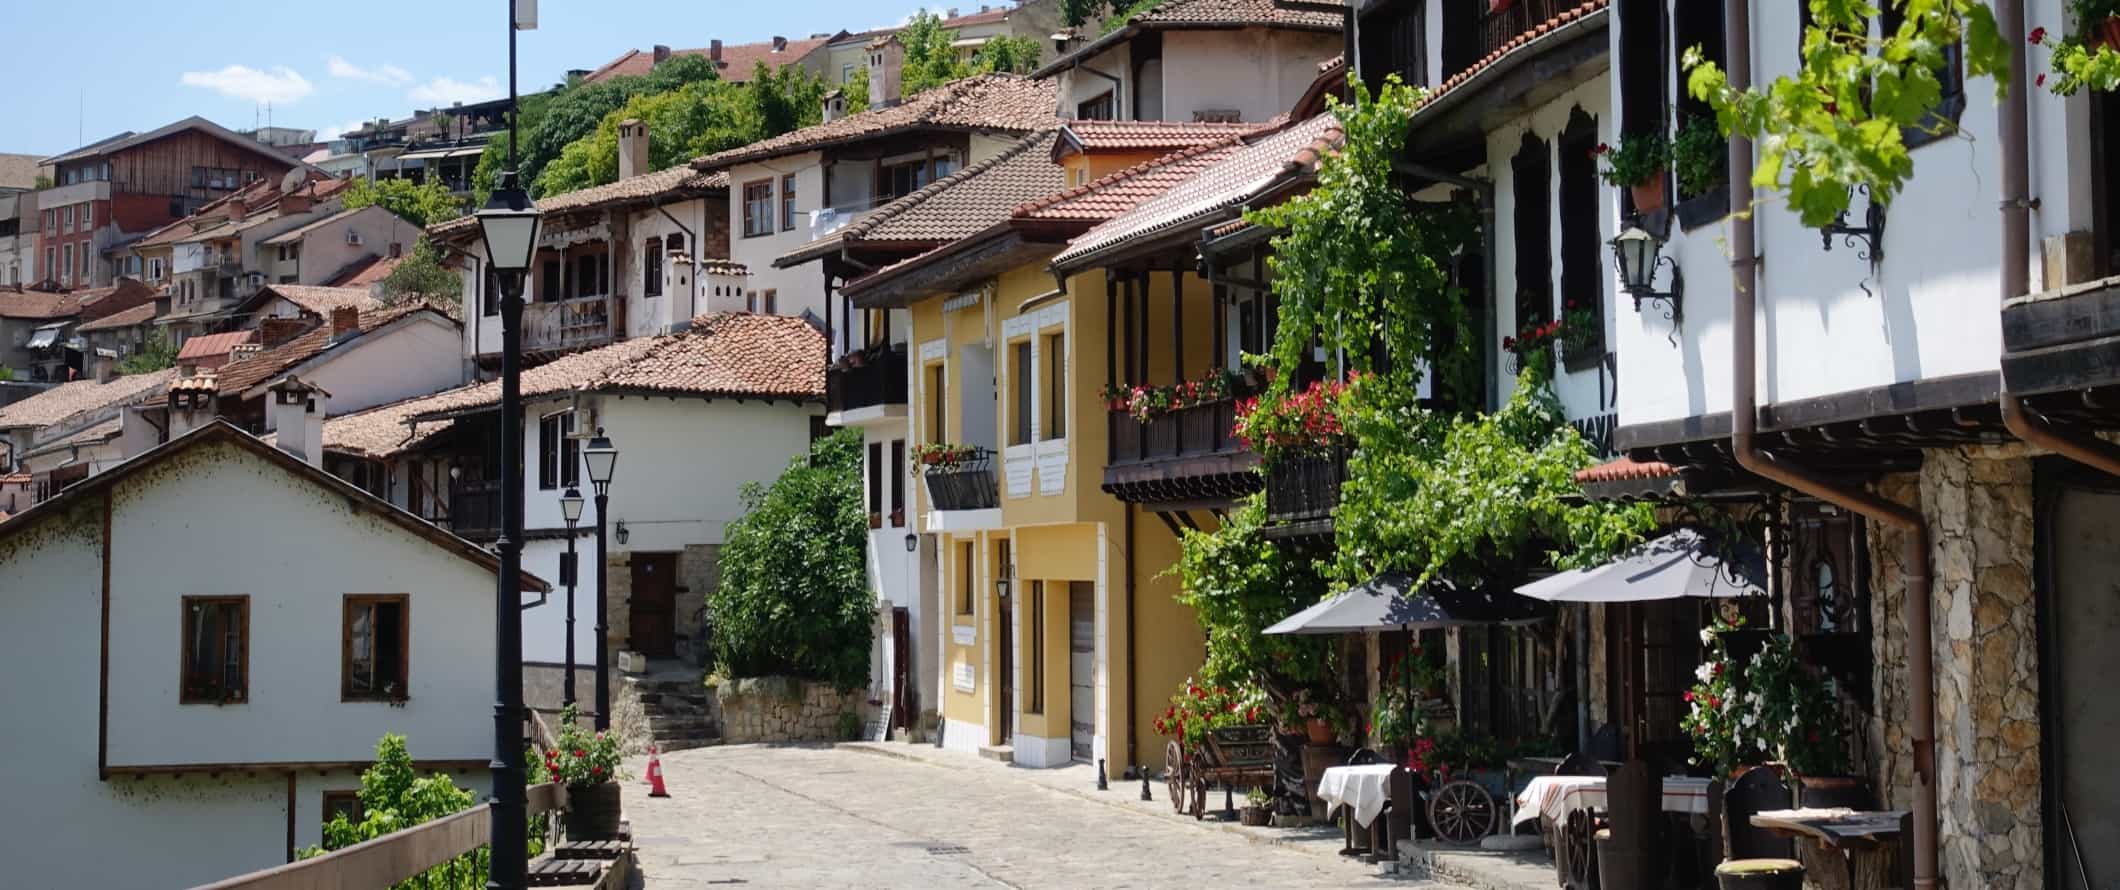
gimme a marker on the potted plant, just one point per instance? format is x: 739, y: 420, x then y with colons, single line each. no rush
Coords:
x: 1319, y: 720
x: 1770, y: 708
x: 1302, y: 421
x: 1532, y: 347
x: 1196, y: 709
x: 587, y: 763
x: 1581, y: 335
x: 1638, y: 163
x: 1699, y: 156
x: 2090, y: 56
x: 1257, y: 807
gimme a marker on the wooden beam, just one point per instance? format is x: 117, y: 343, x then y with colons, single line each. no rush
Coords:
x: 1177, y: 325
x: 1172, y: 524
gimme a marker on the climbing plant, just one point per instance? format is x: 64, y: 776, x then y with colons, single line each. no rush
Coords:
x: 1238, y: 583
x: 1841, y: 120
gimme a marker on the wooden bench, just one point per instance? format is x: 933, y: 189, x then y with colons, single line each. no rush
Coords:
x: 1233, y: 757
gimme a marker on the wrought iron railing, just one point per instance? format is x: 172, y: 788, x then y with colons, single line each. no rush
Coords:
x: 1305, y: 486
x: 968, y: 484
x: 475, y: 508
x: 1185, y: 432
x: 867, y: 378
x: 1498, y: 28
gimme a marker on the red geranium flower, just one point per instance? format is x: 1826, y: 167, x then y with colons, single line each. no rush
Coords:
x: 2038, y: 35
x: 2039, y: 81
x: 1602, y: 148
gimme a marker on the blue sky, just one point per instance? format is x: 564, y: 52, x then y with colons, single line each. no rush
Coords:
x: 98, y: 69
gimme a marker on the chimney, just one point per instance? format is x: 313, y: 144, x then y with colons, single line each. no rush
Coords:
x: 191, y: 403
x: 662, y: 54
x: 835, y: 105
x: 345, y: 322
x: 296, y: 202
x: 275, y: 331
x: 106, y: 366
x: 632, y: 148
x: 397, y: 249
x: 886, y: 63
x: 295, y: 410
x: 952, y: 14
x: 780, y: 44
x: 714, y: 52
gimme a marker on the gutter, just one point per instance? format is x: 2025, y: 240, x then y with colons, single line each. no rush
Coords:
x: 1744, y: 423
x: 2020, y: 419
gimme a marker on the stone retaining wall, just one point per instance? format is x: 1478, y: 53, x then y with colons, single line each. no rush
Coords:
x: 783, y: 709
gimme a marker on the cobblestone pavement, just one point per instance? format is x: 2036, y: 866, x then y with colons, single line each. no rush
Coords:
x: 813, y: 817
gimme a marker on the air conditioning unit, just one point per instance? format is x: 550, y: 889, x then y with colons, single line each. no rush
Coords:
x: 353, y: 237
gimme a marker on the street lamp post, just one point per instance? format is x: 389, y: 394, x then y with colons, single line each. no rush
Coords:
x: 601, y: 457
x: 509, y: 225
x: 570, y: 509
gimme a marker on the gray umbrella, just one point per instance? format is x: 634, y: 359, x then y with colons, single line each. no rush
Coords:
x: 1389, y: 602
x: 1682, y: 563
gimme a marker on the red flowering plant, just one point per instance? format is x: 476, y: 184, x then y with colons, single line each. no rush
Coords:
x: 1147, y: 403
x: 1580, y: 330
x: 1532, y: 347
x: 941, y: 456
x: 581, y: 757
x: 1771, y: 708
x: 2089, y: 56
x: 1307, y: 420
x: 1195, y: 709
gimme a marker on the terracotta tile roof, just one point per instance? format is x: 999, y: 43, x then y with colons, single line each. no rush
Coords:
x: 1237, y: 177
x: 123, y: 318
x: 733, y: 354
x: 261, y: 205
x: 1120, y: 192
x: 18, y: 171
x: 738, y: 60
x: 1004, y: 102
x: 1542, y: 29
x: 99, y: 431
x: 385, y: 430
x: 366, y: 272
x: 675, y: 182
x: 205, y: 346
x: 67, y: 399
x: 1339, y: 61
x: 1096, y: 135
x: 242, y: 374
x: 299, y: 232
x: 722, y: 267
x: 1175, y: 15
x: 1625, y: 468
x: 969, y: 200
x: 321, y: 300
x: 38, y: 305
x: 128, y: 293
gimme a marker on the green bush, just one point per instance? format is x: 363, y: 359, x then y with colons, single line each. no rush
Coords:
x: 794, y: 598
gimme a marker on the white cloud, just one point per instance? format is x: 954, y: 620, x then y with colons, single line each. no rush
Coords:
x: 445, y: 91
x: 329, y: 133
x: 343, y: 69
x: 281, y: 84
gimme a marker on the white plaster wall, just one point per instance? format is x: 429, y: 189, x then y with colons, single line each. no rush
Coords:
x: 648, y: 316
x: 545, y: 626
x: 1259, y: 72
x: 325, y: 252
x: 1828, y: 322
x: 388, y: 365
x: 296, y: 601
x: 1582, y: 393
x: 802, y: 287
x: 482, y: 333
x: 1078, y: 84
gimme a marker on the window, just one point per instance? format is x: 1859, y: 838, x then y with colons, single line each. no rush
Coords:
x: 87, y: 254
x: 489, y: 295
x: 1641, y: 67
x: 1056, y: 386
x: 1019, y: 387
x: 1101, y: 108
x: 787, y: 203
x: 758, y: 208
x: 51, y: 261
x: 945, y: 165
x: 67, y: 218
x: 937, y: 404
x: 1942, y: 120
x: 897, y: 470
x: 1582, y: 246
x: 154, y: 268
x: 1034, y: 649
x: 651, y: 268
x: 1534, y: 256
x: 558, y: 452
x: 49, y: 215
x: 550, y: 284
x: 343, y: 803
x: 88, y: 217
x: 899, y: 180
x: 66, y: 272
x: 846, y: 74
x: 875, y: 484
x: 372, y: 657
x: 964, y: 576
x: 1462, y: 44
x: 763, y: 302
x: 216, y: 650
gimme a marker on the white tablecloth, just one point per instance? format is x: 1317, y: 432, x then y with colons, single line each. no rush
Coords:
x: 1362, y: 789
x: 1555, y: 797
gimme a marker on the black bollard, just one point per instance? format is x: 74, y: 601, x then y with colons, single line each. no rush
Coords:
x: 1144, y: 785
x: 1102, y: 784
x: 1229, y: 803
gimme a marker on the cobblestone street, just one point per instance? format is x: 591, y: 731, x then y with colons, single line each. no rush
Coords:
x: 756, y: 816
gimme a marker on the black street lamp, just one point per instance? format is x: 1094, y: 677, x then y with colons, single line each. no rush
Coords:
x: 601, y: 458
x: 1638, y: 254
x: 509, y: 225
x: 570, y: 509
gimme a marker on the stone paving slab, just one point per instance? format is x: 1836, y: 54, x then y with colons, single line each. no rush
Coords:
x: 812, y: 816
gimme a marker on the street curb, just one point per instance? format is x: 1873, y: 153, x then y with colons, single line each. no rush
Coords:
x: 1438, y: 864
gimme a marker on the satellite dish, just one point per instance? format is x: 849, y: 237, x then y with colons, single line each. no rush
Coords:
x: 293, y: 180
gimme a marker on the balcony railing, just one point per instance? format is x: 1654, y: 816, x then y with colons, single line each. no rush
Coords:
x: 584, y: 321
x: 1498, y: 28
x: 1186, y: 432
x: 867, y: 378
x: 968, y: 484
x: 1305, y: 487
x: 475, y: 508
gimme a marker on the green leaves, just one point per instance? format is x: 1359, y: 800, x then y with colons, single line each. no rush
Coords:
x: 424, y: 204
x: 422, y: 276
x: 1238, y: 583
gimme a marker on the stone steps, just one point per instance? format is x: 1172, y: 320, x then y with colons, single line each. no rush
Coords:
x: 680, y: 714
x: 998, y: 753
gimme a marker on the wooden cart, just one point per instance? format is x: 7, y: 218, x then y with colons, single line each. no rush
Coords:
x: 1233, y: 756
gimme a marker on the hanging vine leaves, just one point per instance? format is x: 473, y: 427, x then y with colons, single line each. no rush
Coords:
x: 1841, y: 120
x: 1238, y: 583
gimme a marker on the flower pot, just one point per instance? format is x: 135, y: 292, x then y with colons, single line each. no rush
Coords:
x: 1497, y: 6
x: 592, y: 812
x: 1760, y: 874
x: 1649, y: 195
x: 1832, y: 791
x: 1319, y: 730
x: 1255, y: 816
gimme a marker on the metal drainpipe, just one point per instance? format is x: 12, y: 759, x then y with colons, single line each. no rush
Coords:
x: 1744, y: 429
x: 2017, y: 250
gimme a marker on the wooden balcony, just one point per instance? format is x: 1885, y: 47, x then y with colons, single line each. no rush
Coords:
x: 969, y: 485
x: 1303, y: 489
x: 567, y: 324
x: 1185, y: 456
x: 475, y: 508
x: 1498, y: 28
x: 871, y: 378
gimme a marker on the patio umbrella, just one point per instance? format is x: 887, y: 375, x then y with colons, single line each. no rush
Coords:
x: 1679, y: 564
x: 1389, y: 601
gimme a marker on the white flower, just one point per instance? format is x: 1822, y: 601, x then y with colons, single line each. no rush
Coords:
x: 1707, y: 637
x: 1750, y: 719
x: 1704, y: 672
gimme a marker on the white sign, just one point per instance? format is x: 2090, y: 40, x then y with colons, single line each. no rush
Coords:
x: 964, y: 634
x: 962, y: 675
x: 525, y: 15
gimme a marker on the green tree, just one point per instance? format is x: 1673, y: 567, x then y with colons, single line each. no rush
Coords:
x: 423, y: 204
x: 786, y: 99
x: 422, y: 276
x: 575, y: 111
x: 857, y: 92
x: 154, y: 355
x: 394, y: 797
x: 1238, y: 582
x: 794, y: 597
x: 930, y: 60
x: 692, y: 120
x: 1007, y: 53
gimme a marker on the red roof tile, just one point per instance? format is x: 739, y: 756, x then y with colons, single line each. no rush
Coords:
x: 1625, y: 468
x: 678, y: 181
x: 68, y: 399
x: 967, y: 201
x: 321, y: 300
x: 1003, y: 102
x: 1120, y: 192
x: 1097, y: 135
x: 1176, y: 15
x: 206, y: 346
x: 38, y: 305
x: 1565, y: 16
x: 124, y: 318
x: 367, y: 272
x: 242, y: 374
x: 738, y: 60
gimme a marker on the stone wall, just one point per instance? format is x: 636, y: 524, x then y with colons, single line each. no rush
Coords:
x: 1978, y: 502
x: 698, y: 574
x: 783, y: 709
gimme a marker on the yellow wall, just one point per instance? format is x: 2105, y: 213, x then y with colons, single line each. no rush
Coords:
x: 957, y: 704
x: 1171, y: 646
x: 1104, y: 164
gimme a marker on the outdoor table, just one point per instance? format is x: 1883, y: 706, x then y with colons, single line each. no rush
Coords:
x: 1861, y: 837
x: 1363, y: 790
x: 1555, y: 797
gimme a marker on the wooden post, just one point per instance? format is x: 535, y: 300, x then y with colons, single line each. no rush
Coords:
x: 1111, y: 328
x: 1177, y: 324
x: 1142, y: 429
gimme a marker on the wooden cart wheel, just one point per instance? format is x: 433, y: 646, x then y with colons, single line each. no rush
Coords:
x: 1462, y: 812
x: 1174, y: 775
x: 1579, y: 851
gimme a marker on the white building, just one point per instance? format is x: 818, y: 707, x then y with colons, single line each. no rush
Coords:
x: 1199, y: 60
x: 292, y: 661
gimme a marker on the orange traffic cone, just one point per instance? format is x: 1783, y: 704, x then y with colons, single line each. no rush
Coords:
x: 655, y: 779
x: 650, y: 778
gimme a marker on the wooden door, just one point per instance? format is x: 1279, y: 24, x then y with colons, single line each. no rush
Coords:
x: 654, y: 605
x: 2080, y: 537
x: 1005, y: 678
x: 1081, y: 669
x: 902, y: 692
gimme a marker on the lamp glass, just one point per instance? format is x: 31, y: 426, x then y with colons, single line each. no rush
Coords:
x: 912, y: 542
x: 1636, y: 250
x: 600, y: 457
x: 570, y: 506
x: 509, y: 223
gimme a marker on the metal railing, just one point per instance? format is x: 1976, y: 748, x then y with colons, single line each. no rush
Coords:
x: 1498, y: 28
x: 1306, y: 486
x: 968, y: 484
x: 1185, y: 432
x: 878, y: 379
